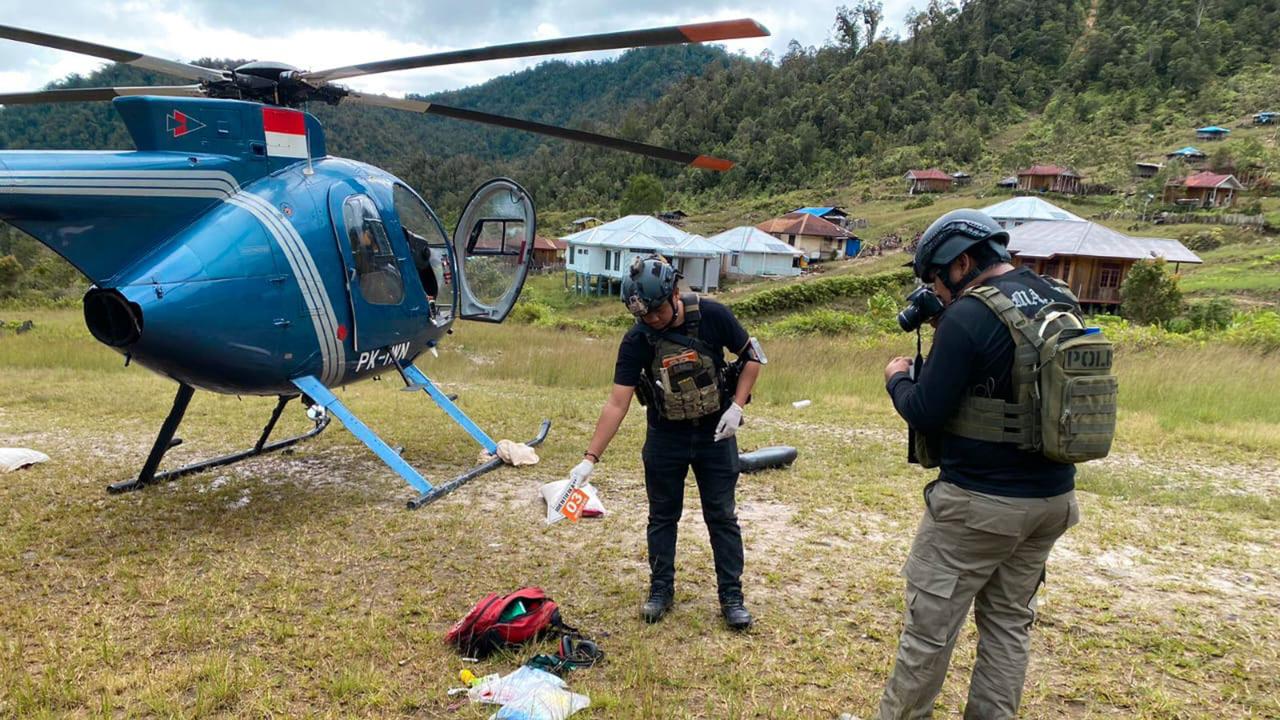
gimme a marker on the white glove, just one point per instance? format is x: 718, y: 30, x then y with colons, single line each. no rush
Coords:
x: 581, y: 472
x: 729, y: 422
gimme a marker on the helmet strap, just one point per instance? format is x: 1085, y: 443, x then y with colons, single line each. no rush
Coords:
x: 675, y: 312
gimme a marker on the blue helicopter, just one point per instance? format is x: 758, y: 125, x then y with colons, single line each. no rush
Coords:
x: 229, y: 252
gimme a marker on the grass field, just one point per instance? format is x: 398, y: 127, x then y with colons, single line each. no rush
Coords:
x: 298, y: 586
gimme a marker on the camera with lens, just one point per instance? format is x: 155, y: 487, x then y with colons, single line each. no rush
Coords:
x: 922, y: 306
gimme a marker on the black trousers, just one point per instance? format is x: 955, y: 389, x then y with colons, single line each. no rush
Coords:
x: 667, y: 458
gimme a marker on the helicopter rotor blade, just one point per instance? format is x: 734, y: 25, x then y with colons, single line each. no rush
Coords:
x: 705, y: 162
x: 127, y: 57
x: 95, y: 94
x: 672, y: 35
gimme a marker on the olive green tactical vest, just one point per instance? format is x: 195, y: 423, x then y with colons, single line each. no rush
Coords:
x: 1064, y: 391
x: 685, y: 383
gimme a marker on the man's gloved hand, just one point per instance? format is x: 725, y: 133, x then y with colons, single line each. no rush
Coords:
x: 729, y: 422
x: 581, y: 472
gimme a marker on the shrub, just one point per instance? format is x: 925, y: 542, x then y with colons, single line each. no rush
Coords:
x: 1149, y: 294
x: 1212, y: 314
x: 1203, y: 241
x: 921, y: 202
x: 805, y: 294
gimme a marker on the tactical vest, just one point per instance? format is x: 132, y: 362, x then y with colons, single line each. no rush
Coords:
x: 1064, y: 391
x: 685, y: 381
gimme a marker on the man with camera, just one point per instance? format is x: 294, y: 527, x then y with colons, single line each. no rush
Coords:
x: 673, y: 360
x: 998, y: 505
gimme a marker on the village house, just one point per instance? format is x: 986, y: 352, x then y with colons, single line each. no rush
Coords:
x: 833, y: 214
x: 547, y: 253
x: 1147, y: 170
x: 673, y: 217
x: 753, y: 252
x: 1050, y: 178
x: 816, y: 238
x: 1020, y: 210
x: 1009, y: 183
x: 1189, y: 155
x: 1091, y: 258
x: 961, y: 178
x: 599, y: 258
x: 1204, y: 190
x: 926, y: 181
x: 1267, y: 117
x: 1212, y: 132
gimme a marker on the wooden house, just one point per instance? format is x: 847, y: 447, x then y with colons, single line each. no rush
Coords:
x: 1204, y: 189
x: 547, y: 252
x: 817, y: 238
x: 926, y: 181
x: 1147, y: 170
x: 1093, y: 259
x: 1050, y: 178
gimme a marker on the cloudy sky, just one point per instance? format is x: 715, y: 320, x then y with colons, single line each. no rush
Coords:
x: 318, y: 34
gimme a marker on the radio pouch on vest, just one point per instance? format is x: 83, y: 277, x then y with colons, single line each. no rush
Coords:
x: 1064, y: 391
x: 685, y: 381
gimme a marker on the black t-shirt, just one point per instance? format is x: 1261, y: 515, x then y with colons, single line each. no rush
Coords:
x: 718, y: 328
x: 973, y: 352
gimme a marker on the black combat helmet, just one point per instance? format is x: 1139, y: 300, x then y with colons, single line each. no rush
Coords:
x: 952, y: 234
x: 649, y: 283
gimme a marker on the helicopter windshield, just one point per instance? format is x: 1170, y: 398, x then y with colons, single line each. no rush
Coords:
x: 429, y: 248
x: 375, y: 261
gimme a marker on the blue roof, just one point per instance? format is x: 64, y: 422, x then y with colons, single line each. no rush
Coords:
x: 1188, y: 150
x: 1213, y: 129
x: 819, y: 211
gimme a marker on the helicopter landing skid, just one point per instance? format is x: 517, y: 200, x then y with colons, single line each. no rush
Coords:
x: 165, y: 440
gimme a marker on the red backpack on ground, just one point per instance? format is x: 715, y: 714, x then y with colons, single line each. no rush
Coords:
x: 483, y: 630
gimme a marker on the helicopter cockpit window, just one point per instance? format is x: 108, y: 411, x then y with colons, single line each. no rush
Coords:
x: 376, y: 267
x: 429, y: 248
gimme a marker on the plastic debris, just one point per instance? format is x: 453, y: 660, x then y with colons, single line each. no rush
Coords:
x: 801, y: 404
x: 528, y: 694
x: 17, y: 458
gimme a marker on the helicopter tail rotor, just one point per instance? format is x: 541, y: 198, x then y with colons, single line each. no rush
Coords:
x: 705, y: 162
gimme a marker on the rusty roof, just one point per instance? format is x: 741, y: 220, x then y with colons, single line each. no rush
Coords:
x: 1207, y: 179
x: 930, y: 174
x: 798, y: 223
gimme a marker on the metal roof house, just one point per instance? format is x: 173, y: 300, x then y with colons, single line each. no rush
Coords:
x: 1016, y: 211
x: 600, y: 256
x: 1093, y: 259
x: 1211, y: 132
x: 833, y: 213
x: 1204, y: 189
x: 1266, y: 117
x: 753, y: 252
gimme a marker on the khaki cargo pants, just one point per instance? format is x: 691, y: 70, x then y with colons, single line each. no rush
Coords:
x: 978, y: 549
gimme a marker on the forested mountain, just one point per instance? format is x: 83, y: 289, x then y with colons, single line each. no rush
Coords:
x: 983, y: 84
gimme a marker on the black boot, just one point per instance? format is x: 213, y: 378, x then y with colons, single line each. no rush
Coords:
x: 734, y: 612
x: 659, y: 602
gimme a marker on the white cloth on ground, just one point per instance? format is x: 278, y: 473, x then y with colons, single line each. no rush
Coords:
x: 17, y: 458
x: 512, y: 453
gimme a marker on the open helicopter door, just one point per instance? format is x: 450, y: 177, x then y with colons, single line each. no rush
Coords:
x: 493, y: 244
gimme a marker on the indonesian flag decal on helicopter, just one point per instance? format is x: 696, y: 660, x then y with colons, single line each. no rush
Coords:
x: 286, y: 132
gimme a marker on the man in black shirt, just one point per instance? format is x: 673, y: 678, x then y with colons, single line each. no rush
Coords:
x: 994, y: 512
x: 674, y: 357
